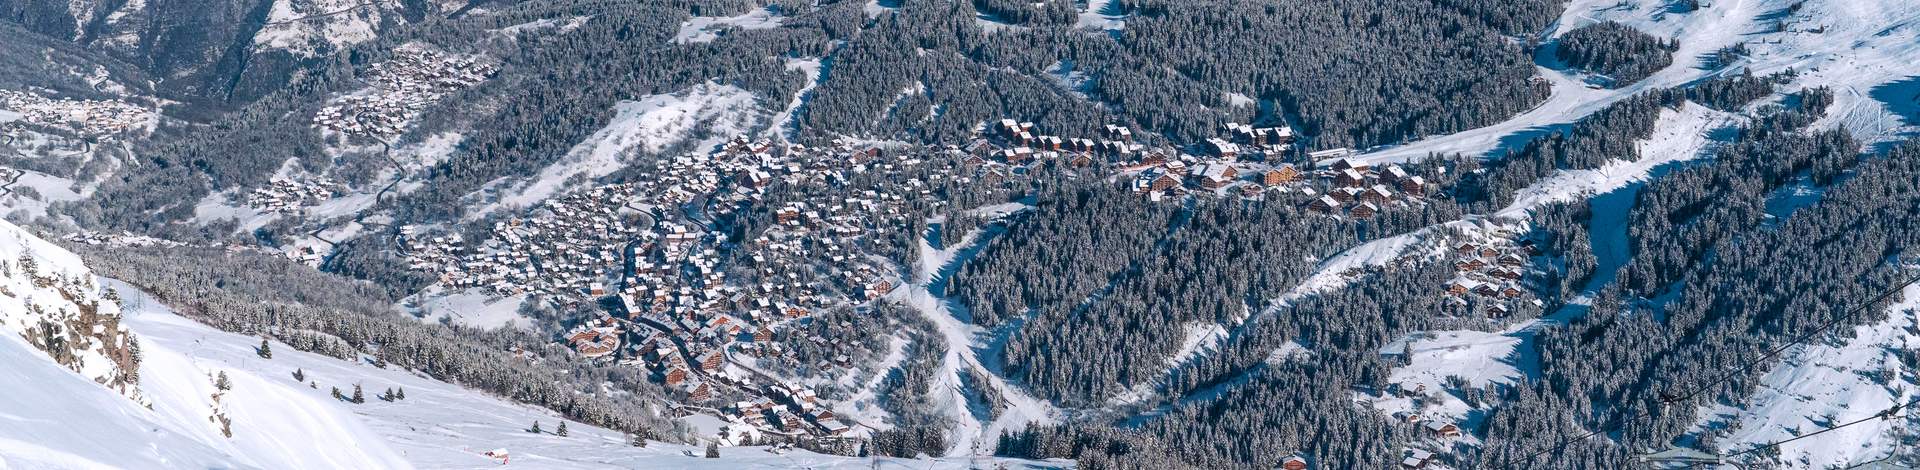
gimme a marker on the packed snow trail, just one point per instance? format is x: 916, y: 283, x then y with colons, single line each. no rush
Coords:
x: 1699, y: 33
x: 971, y: 436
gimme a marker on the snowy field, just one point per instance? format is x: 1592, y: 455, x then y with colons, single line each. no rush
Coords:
x: 1826, y: 384
x: 708, y: 28
x: 467, y: 307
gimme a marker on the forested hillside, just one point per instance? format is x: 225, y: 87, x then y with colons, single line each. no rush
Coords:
x: 1463, y: 234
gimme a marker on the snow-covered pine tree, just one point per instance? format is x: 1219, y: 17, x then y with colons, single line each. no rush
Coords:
x: 299, y: 375
x: 562, y: 430
x: 535, y: 429
x: 713, y: 450
x: 357, y: 396
x: 265, y: 350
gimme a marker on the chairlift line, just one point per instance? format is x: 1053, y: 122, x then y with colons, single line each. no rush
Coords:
x: 1884, y: 414
x: 1747, y: 365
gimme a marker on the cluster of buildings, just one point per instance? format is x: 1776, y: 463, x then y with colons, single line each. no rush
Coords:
x: 568, y: 248
x: 788, y: 410
x: 89, y: 118
x: 1248, y: 161
x: 402, y: 87
x: 689, y: 289
x: 122, y: 239
x: 1489, y: 274
x: 1439, y: 430
x: 288, y: 196
x: 704, y: 261
x: 1359, y: 190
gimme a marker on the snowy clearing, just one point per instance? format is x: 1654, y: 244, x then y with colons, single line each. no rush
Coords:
x: 708, y: 28
x: 1678, y: 136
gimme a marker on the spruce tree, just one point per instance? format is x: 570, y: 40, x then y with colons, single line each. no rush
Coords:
x: 336, y: 393
x: 357, y: 396
x: 636, y: 440
x: 562, y: 430
x: 265, y: 350
x: 400, y: 393
x: 221, y: 382
x: 299, y: 375
x: 713, y: 450
x: 536, y: 427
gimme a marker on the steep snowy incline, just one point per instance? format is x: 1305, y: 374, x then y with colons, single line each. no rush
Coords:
x: 281, y: 423
x: 652, y: 124
x: 1679, y: 135
x: 970, y: 436
x: 54, y: 419
x: 49, y: 301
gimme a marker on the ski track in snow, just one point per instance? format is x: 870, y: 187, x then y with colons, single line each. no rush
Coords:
x: 1723, y: 23
x: 972, y: 437
x: 1679, y: 135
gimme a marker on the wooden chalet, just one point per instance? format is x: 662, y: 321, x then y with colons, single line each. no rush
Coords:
x: 1282, y: 174
x: 1326, y: 204
x: 1293, y: 462
x: 1366, y: 210
x: 1442, y: 429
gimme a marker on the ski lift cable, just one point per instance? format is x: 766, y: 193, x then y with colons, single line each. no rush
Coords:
x: 1883, y: 414
x: 1615, y: 424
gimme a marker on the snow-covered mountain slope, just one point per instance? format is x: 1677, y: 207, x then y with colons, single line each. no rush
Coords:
x: 308, y: 27
x: 55, y: 418
x: 1862, y: 49
x: 1824, y: 384
x: 652, y: 125
x: 49, y: 302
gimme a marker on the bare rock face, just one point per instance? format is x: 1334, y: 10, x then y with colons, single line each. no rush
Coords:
x: 52, y: 301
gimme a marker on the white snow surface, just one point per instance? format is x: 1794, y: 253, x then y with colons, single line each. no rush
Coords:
x: 780, y: 123
x: 1095, y: 16
x: 651, y: 124
x: 1718, y: 24
x: 970, y: 436
x: 303, y: 27
x: 1824, y: 384
x: 52, y: 189
x: 54, y: 418
x: 468, y: 307
x: 707, y: 28
x: 1471, y: 355
x: 1678, y: 136
x: 55, y: 290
